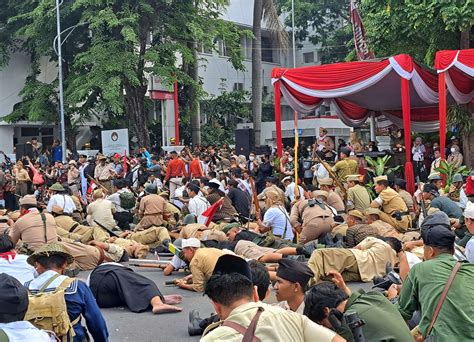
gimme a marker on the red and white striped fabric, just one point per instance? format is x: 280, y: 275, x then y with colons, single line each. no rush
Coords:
x: 356, y: 89
x: 459, y: 68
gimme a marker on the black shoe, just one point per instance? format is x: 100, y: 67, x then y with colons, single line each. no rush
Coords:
x: 307, y: 249
x: 194, y: 328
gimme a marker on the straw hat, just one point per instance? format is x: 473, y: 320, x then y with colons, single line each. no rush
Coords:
x: 49, y: 249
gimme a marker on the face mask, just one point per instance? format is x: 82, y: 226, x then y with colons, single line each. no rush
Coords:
x: 453, y: 150
x: 251, y: 158
x: 290, y: 159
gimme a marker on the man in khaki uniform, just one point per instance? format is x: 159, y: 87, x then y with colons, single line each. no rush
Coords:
x: 88, y: 257
x: 104, y: 172
x: 400, y: 187
x: 333, y: 199
x: 386, y: 230
x: 201, y: 232
x: 152, y: 237
x: 33, y: 228
x: 390, y: 202
x: 101, y: 210
x: 312, y: 218
x: 68, y: 228
x: 362, y: 263
x: 152, y: 209
x: 201, y: 264
x: 236, y: 301
x: 345, y: 166
x: 357, y: 230
x: 357, y: 195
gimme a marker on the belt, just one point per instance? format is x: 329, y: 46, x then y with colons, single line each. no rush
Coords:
x: 74, y: 226
x: 324, y: 217
x: 176, y: 176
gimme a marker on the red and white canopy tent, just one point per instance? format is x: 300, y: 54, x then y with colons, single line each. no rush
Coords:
x: 358, y: 89
x: 456, y: 71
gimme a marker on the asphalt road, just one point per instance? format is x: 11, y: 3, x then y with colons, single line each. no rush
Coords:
x: 124, y: 325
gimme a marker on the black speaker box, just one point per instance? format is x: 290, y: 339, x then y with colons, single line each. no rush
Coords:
x: 244, y: 141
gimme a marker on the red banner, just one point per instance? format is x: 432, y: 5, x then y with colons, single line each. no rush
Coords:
x: 362, y: 49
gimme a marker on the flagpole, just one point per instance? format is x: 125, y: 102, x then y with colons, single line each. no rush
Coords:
x: 297, y: 192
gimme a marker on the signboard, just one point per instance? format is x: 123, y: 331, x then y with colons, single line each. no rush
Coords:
x: 115, y: 141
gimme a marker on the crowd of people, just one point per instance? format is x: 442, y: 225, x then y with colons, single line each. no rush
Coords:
x: 240, y: 226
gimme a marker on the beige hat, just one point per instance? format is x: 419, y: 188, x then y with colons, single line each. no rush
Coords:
x: 380, y: 178
x: 353, y: 178
x: 98, y: 194
x: 28, y: 200
x: 287, y: 178
x: 373, y: 211
x: 322, y: 193
x: 356, y: 213
x: 101, y: 157
x: 72, y: 162
x: 57, y: 210
x: 325, y: 181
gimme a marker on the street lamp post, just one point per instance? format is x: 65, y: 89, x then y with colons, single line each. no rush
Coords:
x: 60, y: 77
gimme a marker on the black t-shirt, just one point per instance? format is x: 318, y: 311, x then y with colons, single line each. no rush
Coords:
x: 240, y: 201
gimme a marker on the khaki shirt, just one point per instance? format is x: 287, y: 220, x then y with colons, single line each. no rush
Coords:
x: 359, y: 196
x: 345, y: 167
x: 284, y: 305
x: 301, y: 210
x: 22, y: 175
x: 385, y: 229
x: 373, y: 257
x: 103, y: 173
x: 202, y: 265
x: 391, y: 201
x: 101, y: 210
x: 30, y: 229
x: 274, y: 324
x: 407, y: 198
x: 335, y: 201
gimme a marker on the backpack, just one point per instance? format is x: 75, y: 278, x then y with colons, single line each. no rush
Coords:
x: 127, y: 200
x: 48, y: 311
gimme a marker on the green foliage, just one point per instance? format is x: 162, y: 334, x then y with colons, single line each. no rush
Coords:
x: 461, y: 118
x: 419, y: 28
x: 322, y: 22
x: 449, y: 170
x: 110, y: 52
x: 378, y: 167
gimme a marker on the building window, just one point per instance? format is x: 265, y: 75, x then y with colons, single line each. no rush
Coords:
x: 269, y: 54
x: 238, y: 86
x: 205, y: 49
x: 308, y: 57
x: 264, y: 91
x: 222, y: 48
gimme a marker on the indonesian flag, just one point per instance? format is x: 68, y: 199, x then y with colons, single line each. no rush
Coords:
x: 91, y: 188
x: 206, y: 217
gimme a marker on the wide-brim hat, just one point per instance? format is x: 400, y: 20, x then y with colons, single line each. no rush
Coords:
x: 101, y: 157
x: 28, y: 200
x: 356, y: 213
x: 457, y: 178
x: 49, y: 249
x: 322, y: 193
x: 56, y: 187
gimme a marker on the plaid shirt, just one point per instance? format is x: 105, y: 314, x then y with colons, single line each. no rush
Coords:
x: 357, y: 233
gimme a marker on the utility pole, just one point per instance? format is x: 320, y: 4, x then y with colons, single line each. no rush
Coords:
x: 60, y: 77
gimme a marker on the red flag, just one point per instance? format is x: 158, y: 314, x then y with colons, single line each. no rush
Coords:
x: 360, y: 41
x: 207, y: 216
x: 124, y: 162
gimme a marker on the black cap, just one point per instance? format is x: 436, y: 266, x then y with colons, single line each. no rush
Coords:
x: 431, y: 188
x: 294, y: 271
x: 193, y: 187
x: 229, y: 263
x: 438, y: 236
x: 400, y: 182
x: 347, y: 151
x: 438, y: 218
x: 13, y: 295
x: 213, y: 185
x: 271, y: 180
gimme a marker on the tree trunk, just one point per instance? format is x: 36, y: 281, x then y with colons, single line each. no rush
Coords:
x: 193, y: 100
x: 257, y: 69
x: 464, y: 41
x: 134, y: 106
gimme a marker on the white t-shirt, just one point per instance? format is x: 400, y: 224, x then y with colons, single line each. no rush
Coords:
x: 197, y: 205
x: 469, y: 250
x: 277, y: 218
x: 25, y: 331
x: 17, y: 268
x: 62, y: 201
x: 290, y: 191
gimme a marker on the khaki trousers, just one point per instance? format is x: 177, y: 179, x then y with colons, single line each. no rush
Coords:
x: 401, y: 226
x: 333, y: 259
x: 318, y: 227
x: 152, y: 236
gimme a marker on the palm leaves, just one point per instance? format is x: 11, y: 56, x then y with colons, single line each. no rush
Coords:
x: 378, y: 167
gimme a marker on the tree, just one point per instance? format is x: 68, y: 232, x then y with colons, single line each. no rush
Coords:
x: 265, y: 10
x: 111, y: 52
